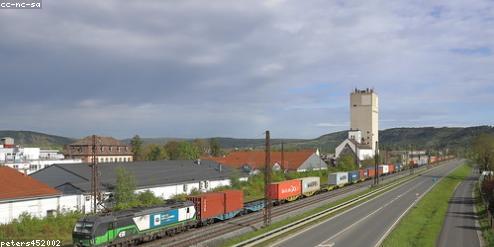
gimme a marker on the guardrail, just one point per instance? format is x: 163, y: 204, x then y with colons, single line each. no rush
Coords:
x: 314, y: 217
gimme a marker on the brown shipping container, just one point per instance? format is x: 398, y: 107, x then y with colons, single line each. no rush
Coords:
x: 209, y: 205
x: 391, y: 168
x: 234, y: 200
x: 371, y: 172
x: 285, y: 189
x: 363, y: 174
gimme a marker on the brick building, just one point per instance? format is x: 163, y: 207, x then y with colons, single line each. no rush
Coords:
x: 108, y: 149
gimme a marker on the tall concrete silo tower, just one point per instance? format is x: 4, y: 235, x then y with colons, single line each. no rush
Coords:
x: 364, y: 116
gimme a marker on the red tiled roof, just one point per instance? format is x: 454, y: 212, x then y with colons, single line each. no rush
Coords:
x: 14, y: 185
x: 256, y: 159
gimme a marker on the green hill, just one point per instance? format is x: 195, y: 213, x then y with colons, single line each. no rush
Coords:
x: 396, y: 138
x: 36, y: 139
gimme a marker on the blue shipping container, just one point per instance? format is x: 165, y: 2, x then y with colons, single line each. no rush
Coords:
x: 353, y: 176
x: 398, y: 167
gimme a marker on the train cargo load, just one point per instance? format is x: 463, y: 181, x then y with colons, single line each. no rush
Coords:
x: 391, y: 168
x: 234, y: 200
x: 338, y: 178
x: 209, y: 205
x: 363, y: 174
x: 398, y: 167
x: 285, y: 190
x: 385, y: 169
x: 310, y: 185
x: 371, y: 171
x: 353, y: 176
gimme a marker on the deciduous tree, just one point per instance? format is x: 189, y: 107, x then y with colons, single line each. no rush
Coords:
x: 124, y: 189
x: 136, y: 143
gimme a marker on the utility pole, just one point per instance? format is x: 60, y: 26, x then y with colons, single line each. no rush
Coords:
x: 267, y: 182
x: 94, y: 175
x: 376, y: 165
x: 412, y: 162
x: 282, y: 158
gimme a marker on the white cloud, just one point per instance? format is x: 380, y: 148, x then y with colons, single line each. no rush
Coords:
x: 254, y: 64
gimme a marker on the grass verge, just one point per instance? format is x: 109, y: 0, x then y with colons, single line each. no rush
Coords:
x: 50, y: 228
x: 487, y: 232
x: 289, y: 220
x: 423, y: 223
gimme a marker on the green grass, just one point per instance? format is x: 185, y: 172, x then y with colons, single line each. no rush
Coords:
x: 487, y: 232
x: 289, y: 220
x: 423, y: 223
x: 50, y: 228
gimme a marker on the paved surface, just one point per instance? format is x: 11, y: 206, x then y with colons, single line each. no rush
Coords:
x: 219, y: 240
x: 460, y: 227
x: 366, y: 224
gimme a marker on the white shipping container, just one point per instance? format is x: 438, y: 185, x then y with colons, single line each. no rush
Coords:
x: 310, y: 184
x: 385, y: 169
x: 338, y: 178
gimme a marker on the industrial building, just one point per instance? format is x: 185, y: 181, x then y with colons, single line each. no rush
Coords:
x: 364, y: 125
x: 165, y: 178
x: 21, y: 194
x: 364, y: 116
x: 108, y: 150
x: 29, y: 159
x: 253, y: 161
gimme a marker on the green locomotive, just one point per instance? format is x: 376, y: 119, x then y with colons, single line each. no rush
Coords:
x: 135, y: 225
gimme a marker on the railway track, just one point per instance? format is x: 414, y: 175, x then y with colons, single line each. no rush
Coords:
x: 199, y: 235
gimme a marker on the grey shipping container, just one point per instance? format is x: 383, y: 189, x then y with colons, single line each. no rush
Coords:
x: 310, y: 185
x: 338, y: 178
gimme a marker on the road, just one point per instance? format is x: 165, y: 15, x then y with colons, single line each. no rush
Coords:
x: 241, y: 225
x: 460, y: 227
x: 366, y: 224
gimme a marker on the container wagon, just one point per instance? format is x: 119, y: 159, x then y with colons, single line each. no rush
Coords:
x: 217, y: 205
x: 391, y: 168
x: 363, y: 174
x: 288, y: 190
x: 384, y: 169
x: 310, y: 185
x: 338, y: 179
x: 353, y: 176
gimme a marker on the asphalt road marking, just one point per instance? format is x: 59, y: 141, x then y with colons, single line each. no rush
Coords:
x: 325, y: 242
x: 326, y: 245
x: 399, y: 185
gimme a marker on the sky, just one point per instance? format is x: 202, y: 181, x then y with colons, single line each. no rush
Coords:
x: 237, y: 68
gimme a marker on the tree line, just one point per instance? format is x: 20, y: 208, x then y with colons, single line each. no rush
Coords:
x: 482, y: 151
x: 175, y: 150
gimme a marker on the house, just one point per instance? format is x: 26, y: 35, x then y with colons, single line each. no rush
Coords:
x: 165, y: 178
x: 20, y: 194
x: 253, y: 161
x: 107, y: 150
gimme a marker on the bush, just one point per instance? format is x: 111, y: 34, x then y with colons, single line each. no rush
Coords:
x: 27, y: 227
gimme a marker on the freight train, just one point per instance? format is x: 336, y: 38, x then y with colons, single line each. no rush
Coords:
x: 136, y: 225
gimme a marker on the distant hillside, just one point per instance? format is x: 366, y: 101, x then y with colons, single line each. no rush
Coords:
x: 35, y: 139
x: 396, y: 138
x: 400, y: 138
x: 430, y: 137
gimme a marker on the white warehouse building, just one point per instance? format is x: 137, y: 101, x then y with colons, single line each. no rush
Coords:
x: 21, y: 194
x: 165, y: 178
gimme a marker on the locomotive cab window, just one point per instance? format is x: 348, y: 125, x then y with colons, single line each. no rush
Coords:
x: 83, y: 227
